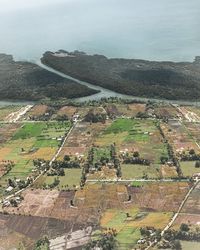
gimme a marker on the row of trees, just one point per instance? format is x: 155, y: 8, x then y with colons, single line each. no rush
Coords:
x: 106, y: 241
x: 191, y: 155
x: 135, y: 159
x: 95, y: 117
x: 171, y: 154
x: 103, y: 161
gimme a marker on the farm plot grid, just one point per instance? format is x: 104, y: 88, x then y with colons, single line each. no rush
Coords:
x: 134, y: 135
x: 31, y: 141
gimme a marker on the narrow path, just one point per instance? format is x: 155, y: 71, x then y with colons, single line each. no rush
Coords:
x: 63, y: 143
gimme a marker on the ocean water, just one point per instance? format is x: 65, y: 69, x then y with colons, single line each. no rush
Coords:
x: 145, y: 29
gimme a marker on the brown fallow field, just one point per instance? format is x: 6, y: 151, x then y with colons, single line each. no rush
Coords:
x: 69, y: 111
x: 167, y: 111
x: 7, y: 131
x: 38, y: 110
x: 16, y: 229
x: 178, y: 136
x: 129, y: 110
x: 194, y: 130
x: 163, y: 197
x: 190, y: 213
x: 94, y: 199
x: 187, y: 218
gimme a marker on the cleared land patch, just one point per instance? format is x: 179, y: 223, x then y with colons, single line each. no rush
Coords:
x: 5, y: 111
x: 162, y: 197
x: 70, y: 181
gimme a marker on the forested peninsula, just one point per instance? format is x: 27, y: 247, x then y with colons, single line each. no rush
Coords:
x: 142, y: 78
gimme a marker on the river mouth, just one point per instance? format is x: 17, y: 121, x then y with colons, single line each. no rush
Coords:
x: 106, y: 93
x: 103, y: 93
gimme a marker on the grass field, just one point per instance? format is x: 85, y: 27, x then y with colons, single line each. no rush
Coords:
x: 101, y: 152
x: 128, y: 227
x: 188, y: 168
x: 138, y: 171
x: 29, y: 130
x: 70, y: 180
x: 187, y: 245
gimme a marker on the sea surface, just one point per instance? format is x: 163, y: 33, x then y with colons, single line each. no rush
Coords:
x: 144, y: 29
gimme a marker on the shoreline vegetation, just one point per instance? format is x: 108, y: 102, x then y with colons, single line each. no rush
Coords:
x: 150, y: 79
x: 27, y: 81
x: 165, y: 81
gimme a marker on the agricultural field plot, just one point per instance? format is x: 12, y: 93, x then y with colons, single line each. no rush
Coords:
x: 134, y: 108
x: 81, y: 138
x: 127, y: 223
x: 193, y: 130
x: 38, y: 202
x: 71, y: 180
x: 158, y: 196
x: 20, y: 230
x: 186, y: 245
x: 83, y: 111
x: 55, y: 204
x: 69, y: 111
x: 3, y: 167
x: 178, y: 136
x: 5, y: 111
x: 129, y: 110
x: 187, y: 218
x: 192, y: 205
x: 105, y: 167
x: 168, y: 112
x: 132, y: 135
x: 102, y: 196
x: 11, y: 240
x: 31, y: 141
x: 101, y: 153
x: 105, y: 174
x: 167, y: 171
x: 188, y: 168
x: 7, y: 131
x: 37, y: 111
x: 130, y: 171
